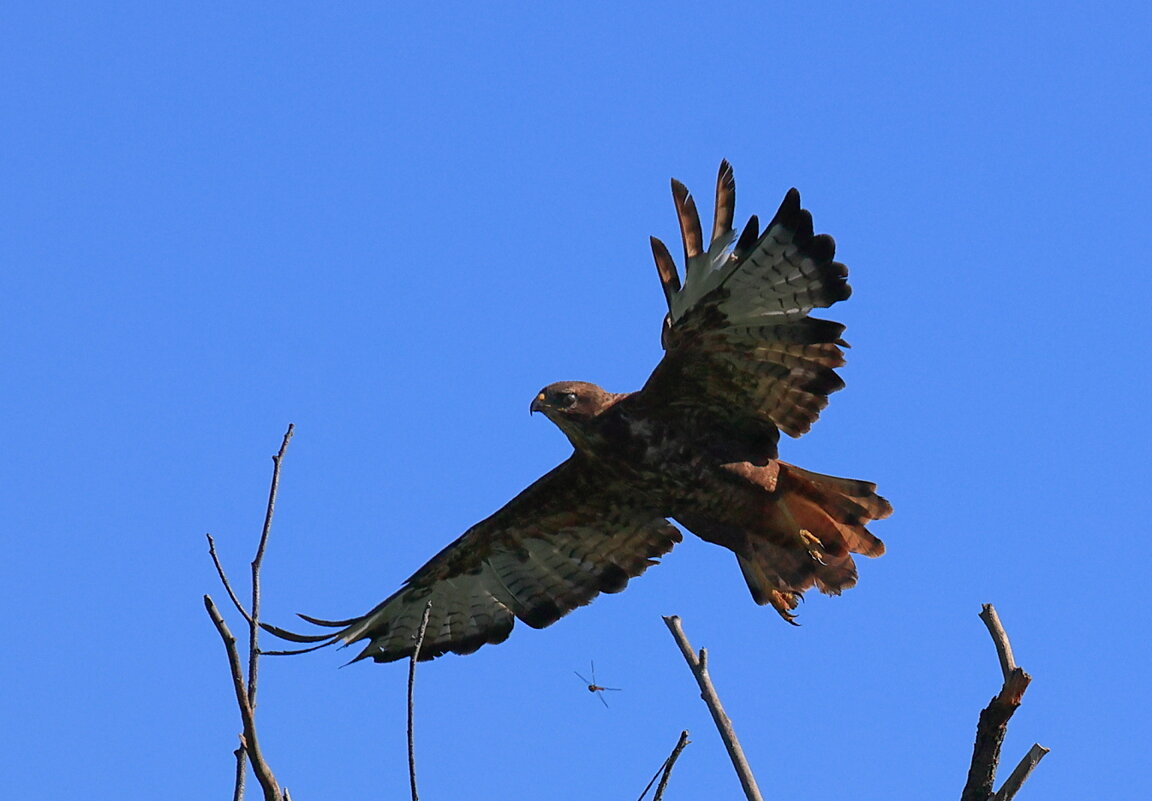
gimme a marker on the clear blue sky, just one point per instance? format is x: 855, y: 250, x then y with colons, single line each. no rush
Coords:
x: 391, y: 225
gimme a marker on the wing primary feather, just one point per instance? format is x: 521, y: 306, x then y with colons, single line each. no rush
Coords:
x: 794, y: 218
x: 666, y: 267
x: 748, y: 238
x: 822, y: 248
x: 295, y: 651
x: 292, y: 636
x: 725, y: 201
x: 335, y: 624
x: 690, y: 230
x: 789, y: 210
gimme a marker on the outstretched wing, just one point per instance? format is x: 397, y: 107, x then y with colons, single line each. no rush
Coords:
x: 739, y: 342
x: 566, y: 538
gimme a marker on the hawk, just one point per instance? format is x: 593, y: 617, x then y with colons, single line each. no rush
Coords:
x: 697, y: 444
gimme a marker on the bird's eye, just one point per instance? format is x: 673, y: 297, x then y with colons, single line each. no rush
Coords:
x: 565, y: 400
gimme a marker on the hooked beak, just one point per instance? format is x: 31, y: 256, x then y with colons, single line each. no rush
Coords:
x: 537, y: 404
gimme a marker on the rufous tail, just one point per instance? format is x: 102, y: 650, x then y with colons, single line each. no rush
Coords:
x: 814, y: 523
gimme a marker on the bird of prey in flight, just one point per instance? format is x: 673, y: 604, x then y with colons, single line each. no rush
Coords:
x: 697, y: 444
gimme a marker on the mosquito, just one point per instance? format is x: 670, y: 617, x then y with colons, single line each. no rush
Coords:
x: 593, y: 687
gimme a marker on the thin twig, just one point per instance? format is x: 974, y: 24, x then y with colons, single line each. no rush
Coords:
x: 240, y: 753
x: 699, y: 666
x: 1000, y: 638
x: 248, y: 739
x: 253, y: 621
x: 1010, y: 787
x: 241, y: 773
x: 993, y: 723
x: 224, y: 579
x: 668, y: 763
x: 665, y: 768
x: 411, y: 695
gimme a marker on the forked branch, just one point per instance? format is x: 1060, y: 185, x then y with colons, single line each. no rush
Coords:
x: 246, y: 689
x: 993, y: 724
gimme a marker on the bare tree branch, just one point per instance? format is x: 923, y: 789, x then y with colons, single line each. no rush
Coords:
x: 669, y: 762
x: 699, y: 666
x: 253, y: 627
x: 993, y: 723
x: 241, y: 773
x: 246, y: 691
x: 1020, y: 774
x: 411, y: 694
x: 249, y: 742
x: 1000, y: 638
x: 665, y: 769
x: 224, y: 579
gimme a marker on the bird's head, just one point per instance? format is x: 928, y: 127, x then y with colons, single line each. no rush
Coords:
x: 572, y: 404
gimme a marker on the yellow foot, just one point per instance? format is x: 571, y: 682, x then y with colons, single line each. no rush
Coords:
x: 813, y: 545
x: 784, y: 602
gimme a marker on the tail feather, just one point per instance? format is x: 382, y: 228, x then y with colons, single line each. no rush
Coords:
x: 813, y: 524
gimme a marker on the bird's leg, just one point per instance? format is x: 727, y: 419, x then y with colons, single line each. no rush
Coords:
x: 813, y: 545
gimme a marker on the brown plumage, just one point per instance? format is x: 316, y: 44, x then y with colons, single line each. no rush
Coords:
x: 697, y: 444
